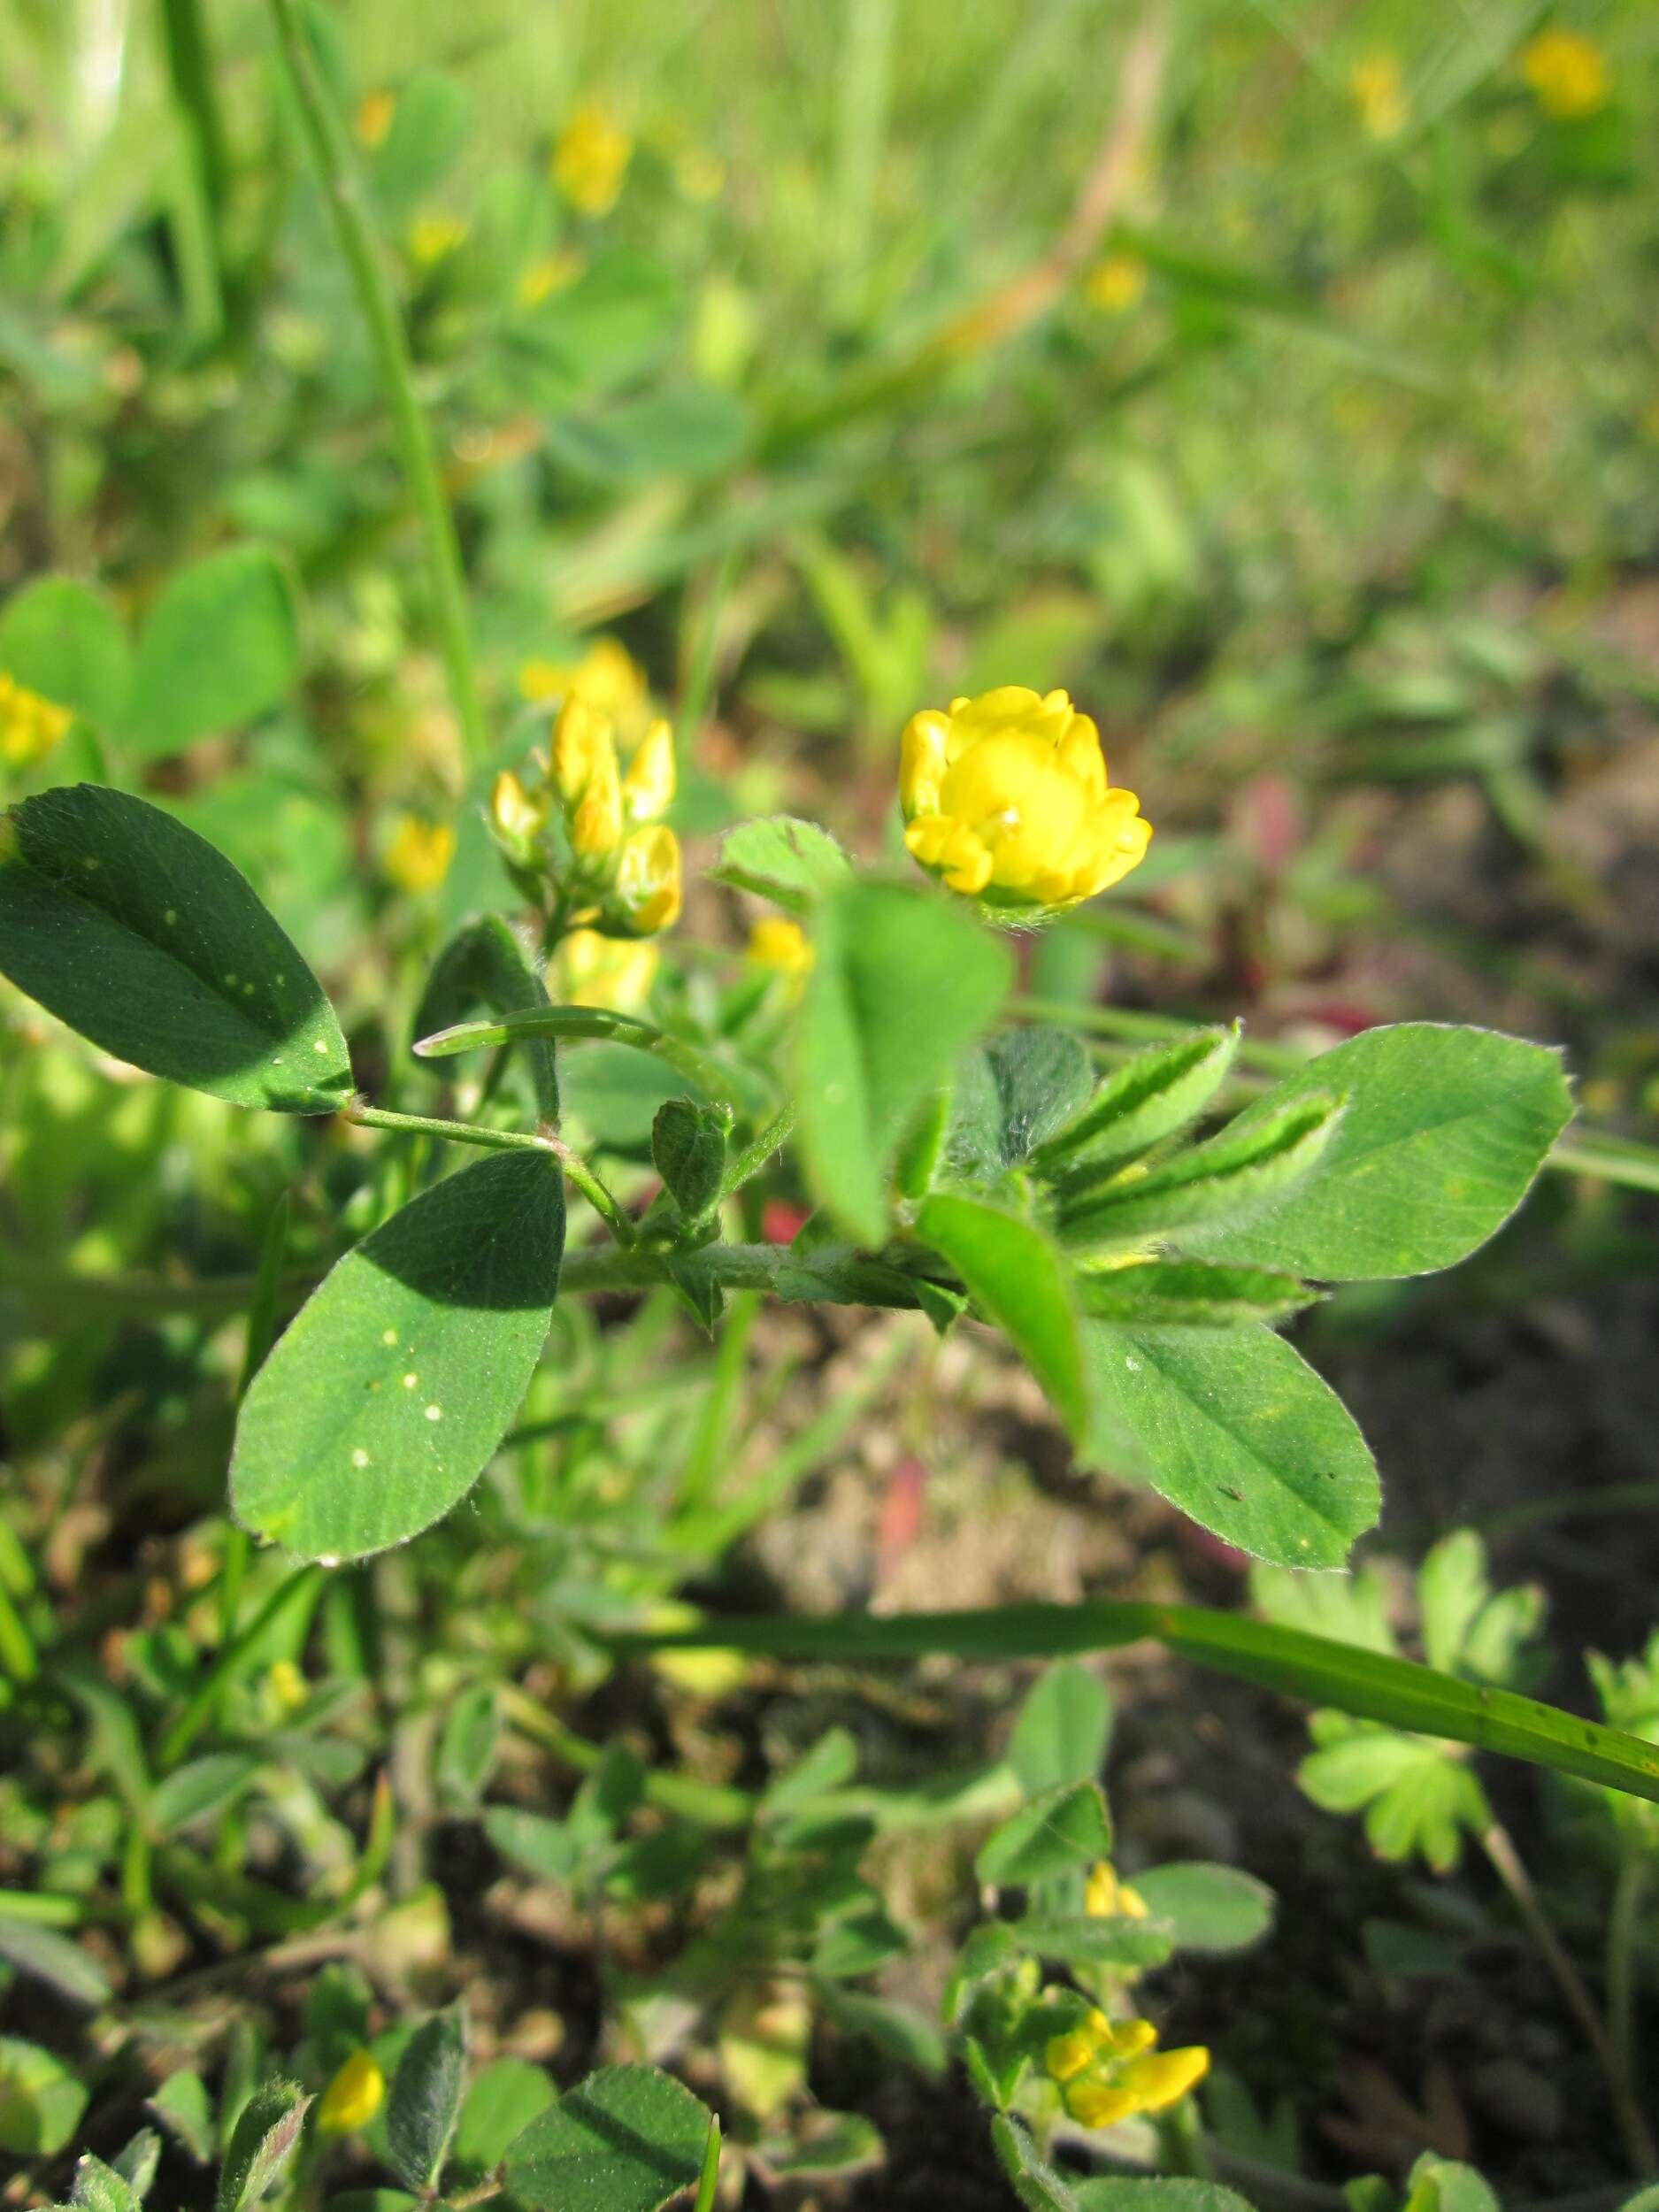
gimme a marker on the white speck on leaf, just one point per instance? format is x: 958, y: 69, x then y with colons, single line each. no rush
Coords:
x: 434, y: 1413
x: 410, y: 1381
x: 359, y: 1458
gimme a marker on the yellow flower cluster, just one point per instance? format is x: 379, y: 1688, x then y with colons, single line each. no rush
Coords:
x: 590, y: 159
x: 29, y: 725
x: 1380, y: 95
x: 419, y: 854
x: 1109, y: 2070
x: 1107, y: 1898
x: 625, y: 857
x: 353, y: 2097
x: 1005, y: 798
x: 1567, y: 72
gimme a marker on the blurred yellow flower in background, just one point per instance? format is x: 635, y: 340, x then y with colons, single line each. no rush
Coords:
x: 590, y: 158
x: 1106, y: 1898
x: 373, y: 121
x: 607, y: 676
x: 553, y: 272
x: 776, y: 941
x: 634, y: 874
x: 1568, y: 74
x: 432, y: 238
x: 615, y: 973
x: 1116, y: 283
x: 1005, y: 798
x: 30, y: 726
x: 1379, y: 93
x: 353, y: 2097
x: 419, y: 854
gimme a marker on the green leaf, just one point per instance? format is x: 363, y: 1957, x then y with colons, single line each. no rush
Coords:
x: 1210, y: 1907
x: 137, y: 934
x: 484, y: 964
x: 219, y: 647
x: 1119, y: 2194
x: 99, y: 2188
x: 64, y: 640
x: 466, y: 1749
x: 1040, y: 2186
x: 898, y: 2033
x: 1017, y: 1279
x: 688, y: 1148
x: 901, y: 985
x: 542, y: 1846
x: 503, y: 2098
x: 430, y: 119
x: 822, y: 2145
x: 1011, y: 1096
x: 41, y: 2100
x: 1062, y: 1730
x: 1151, y: 1097
x: 53, y: 1959
x: 1418, y: 1796
x: 829, y: 1763
x: 1445, y: 1130
x: 1233, y: 1427
x: 182, y: 2106
x: 793, y: 863
x: 424, y: 2102
x: 1063, y: 1829
x: 1452, y: 1592
x: 204, y: 1786
x: 1193, y: 1292
x: 261, y: 2144
x: 626, y: 2139
x: 1229, y: 1179
x: 138, y: 2161
x: 1083, y: 1939
x: 1444, y: 2185
x: 386, y: 1397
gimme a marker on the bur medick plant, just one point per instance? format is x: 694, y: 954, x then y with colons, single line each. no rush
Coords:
x: 1141, y: 1228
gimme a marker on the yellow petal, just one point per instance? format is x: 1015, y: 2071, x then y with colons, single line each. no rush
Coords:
x: 595, y: 823
x: 648, y: 787
x: 922, y: 763
x: 353, y: 2097
x: 649, y: 881
x: 1163, y: 2078
x: 1094, y: 2104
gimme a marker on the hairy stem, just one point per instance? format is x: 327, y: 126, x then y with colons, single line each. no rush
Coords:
x: 368, y: 1116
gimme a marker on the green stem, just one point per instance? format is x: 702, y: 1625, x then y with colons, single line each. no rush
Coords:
x: 593, y: 1189
x: 1623, y: 1923
x: 379, y: 306
x: 368, y: 1117
x: 43, y: 1907
x: 1634, y: 2132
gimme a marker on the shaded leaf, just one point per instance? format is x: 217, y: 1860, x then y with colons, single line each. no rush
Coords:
x: 219, y: 646
x: 626, y: 2139
x: 1018, y: 1279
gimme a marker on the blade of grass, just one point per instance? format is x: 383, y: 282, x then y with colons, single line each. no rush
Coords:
x: 1369, y: 1684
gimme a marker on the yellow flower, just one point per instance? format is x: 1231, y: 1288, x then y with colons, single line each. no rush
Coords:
x: 589, y: 970
x: 1378, y: 95
x: 1106, y: 1898
x: 375, y: 118
x: 30, y: 726
x: 648, y: 789
x: 607, y: 676
x: 286, y: 1687
x: 1116, y: 283
x: 514, y: 815
x: 418, y: 856
x: 596, y: 819
x: 353, y: 2097
x: 553, y: 272
x: 1568, y: 74
x: 1099, y: 2104
x: 648, y: 881
x: 1067, y: 2056
x: 431, y: 237
x: 776, y: 941
x: 1163, y: 2078
x: 590, y: 160
x: 1006, y: 797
